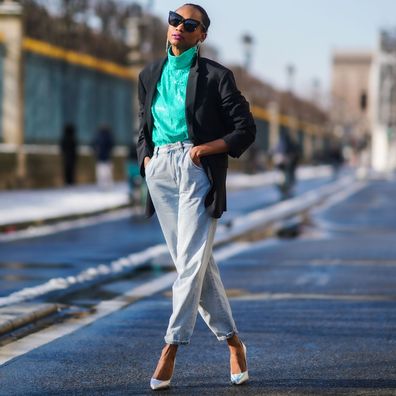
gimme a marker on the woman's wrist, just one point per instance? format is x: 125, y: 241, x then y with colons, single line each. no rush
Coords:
x: 214, y: 147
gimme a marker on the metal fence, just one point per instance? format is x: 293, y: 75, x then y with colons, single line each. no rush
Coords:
x: 2, y: 53
x: 262, y: 136
x: 57, y: 92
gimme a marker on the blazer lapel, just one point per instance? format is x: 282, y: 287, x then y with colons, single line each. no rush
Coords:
x: 191, y: 94
x: 155, y: 76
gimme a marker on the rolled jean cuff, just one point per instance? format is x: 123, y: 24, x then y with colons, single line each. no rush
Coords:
x: 176, y: 342
x: 228, y: 335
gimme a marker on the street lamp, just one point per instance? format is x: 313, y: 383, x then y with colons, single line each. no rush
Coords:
x: 316, y: 95
x: 290, y: 73
x: 247, y: 42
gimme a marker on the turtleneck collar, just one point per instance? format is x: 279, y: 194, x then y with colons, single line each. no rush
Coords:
x: 182, y: 61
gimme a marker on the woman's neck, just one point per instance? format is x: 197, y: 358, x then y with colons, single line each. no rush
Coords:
x: 178, y: 51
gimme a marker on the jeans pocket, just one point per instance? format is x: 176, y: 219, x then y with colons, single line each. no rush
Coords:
x: 148, y: 166
x: 192, y: 162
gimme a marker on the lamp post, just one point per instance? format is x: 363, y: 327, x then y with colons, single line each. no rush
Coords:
x: 290, y: 74
x: 247, y: 43
x: 247, y: 49
x: 316, y: 92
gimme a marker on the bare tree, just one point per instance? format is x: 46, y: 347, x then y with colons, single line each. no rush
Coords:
x: 65, y: 32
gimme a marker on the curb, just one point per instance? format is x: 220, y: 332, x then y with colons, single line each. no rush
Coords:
x: 16, y: 316
x: 272, y: 217
x: 11, y: 227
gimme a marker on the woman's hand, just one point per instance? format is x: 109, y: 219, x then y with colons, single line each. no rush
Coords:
x: 194, y: 154
x: 146, y: 161
x: 213, y: 147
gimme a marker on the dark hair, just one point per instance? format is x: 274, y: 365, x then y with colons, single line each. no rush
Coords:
x: 205, y: 16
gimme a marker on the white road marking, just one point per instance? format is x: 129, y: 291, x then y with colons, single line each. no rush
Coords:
x: 313, y: 296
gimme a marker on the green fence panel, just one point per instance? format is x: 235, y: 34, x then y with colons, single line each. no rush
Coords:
x: 262, y: 136
x: 57, y: 93
x: 2, y: 53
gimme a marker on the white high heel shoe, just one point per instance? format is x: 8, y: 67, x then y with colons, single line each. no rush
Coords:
x: 240, y: 378
x: 156, y: 384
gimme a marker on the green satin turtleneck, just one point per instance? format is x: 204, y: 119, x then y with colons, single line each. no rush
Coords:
x: 169, y: 104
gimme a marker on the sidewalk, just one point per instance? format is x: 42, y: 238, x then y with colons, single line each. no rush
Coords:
x: 21, y: 208
x: 318, y: 316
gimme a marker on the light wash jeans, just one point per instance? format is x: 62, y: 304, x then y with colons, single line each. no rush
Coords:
x: 178, y: 187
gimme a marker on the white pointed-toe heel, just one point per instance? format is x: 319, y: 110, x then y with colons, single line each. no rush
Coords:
x: 240, y: 378
x: 158, y: 384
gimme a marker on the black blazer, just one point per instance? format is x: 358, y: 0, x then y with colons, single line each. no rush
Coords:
x: 215, y: 109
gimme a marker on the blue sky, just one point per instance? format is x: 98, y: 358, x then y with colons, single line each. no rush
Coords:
x: 302, y: 32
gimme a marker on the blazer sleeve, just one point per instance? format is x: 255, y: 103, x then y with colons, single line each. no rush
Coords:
x: 236, y: 115
x: 141, y: 146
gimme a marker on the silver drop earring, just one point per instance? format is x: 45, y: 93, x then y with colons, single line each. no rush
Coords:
x: 167, y: 45
x: 199, y: 46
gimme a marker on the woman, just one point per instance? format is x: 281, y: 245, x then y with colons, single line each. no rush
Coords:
x: 191, y: 117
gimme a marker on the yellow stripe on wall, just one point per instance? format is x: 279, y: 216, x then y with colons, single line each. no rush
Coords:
x: 287, y: 121
x: 260, y: 112
x: 76, y: 58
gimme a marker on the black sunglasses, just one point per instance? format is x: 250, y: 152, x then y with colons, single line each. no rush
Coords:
x: 189, y: 24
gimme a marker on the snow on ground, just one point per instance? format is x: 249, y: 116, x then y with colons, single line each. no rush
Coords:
x: 237, y: 181
x: 35, y: 205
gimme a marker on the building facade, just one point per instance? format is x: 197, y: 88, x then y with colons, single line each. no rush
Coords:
x: 383, y: 87
x: 364, y: 101
x: 351, y: 97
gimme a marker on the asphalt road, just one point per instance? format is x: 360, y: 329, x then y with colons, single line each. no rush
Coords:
x: 317, y: 313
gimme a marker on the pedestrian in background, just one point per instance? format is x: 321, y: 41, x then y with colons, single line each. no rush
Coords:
x: 68, y: 145
x: 286, y: 156
x: 191, y: 117
x: 103, y: 145
x: 335, y: 157
x: 135, y: 184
